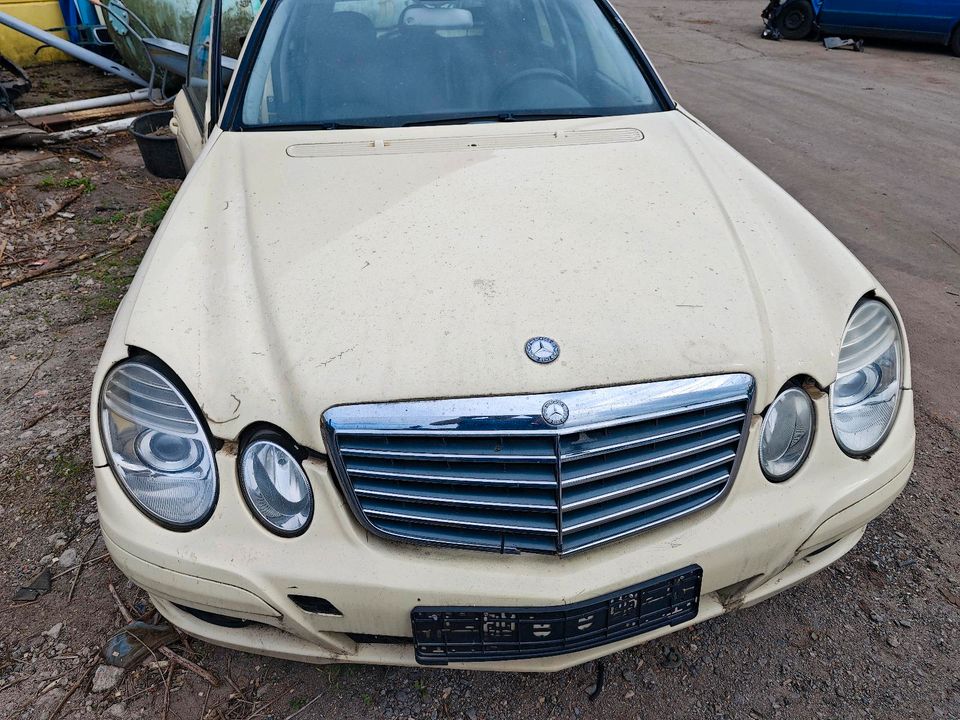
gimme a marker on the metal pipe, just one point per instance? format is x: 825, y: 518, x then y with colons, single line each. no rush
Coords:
x: 88, y: 103
x: 70, y: 49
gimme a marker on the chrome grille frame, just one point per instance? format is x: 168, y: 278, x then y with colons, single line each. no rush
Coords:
x: 365, y: 442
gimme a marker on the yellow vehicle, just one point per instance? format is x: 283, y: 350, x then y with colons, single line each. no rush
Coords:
x: 463, y: 344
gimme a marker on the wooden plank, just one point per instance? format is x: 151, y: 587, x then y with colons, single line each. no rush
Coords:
x: 92, y: 115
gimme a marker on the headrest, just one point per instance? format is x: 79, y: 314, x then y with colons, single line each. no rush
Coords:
x: 347, y: 23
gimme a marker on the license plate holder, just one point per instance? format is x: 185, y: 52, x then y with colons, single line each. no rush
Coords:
x: 444, y: 634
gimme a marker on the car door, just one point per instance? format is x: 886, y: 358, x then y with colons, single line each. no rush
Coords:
x: 197, y: 106
x: 929, y: 19
x: 859, y: 17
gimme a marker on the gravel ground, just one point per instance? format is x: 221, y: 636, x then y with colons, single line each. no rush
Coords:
x: 868, y: 142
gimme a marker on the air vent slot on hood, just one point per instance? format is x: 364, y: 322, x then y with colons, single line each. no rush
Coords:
x: 464, y: 143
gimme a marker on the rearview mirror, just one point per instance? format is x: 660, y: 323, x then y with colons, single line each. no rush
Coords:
x: 436, y: 18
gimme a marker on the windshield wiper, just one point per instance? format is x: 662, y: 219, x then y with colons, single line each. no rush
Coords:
x: 501, y: 117
x: 318, y: 126
x: 346, y: 126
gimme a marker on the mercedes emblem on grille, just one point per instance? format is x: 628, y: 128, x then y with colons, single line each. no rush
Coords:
x: 542, y: 350
x: 555, y: 412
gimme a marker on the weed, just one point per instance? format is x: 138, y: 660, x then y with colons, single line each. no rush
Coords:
x: 421, y: 687
x: 115, y: 219
x: 333, y: 674
x: 66, y: 468
x: 154, y: 215
x: 113, y: 275
x: 100, y: 305
x: 49, y: 183
x: 69, y: 485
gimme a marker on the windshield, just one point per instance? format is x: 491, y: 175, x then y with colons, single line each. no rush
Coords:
x: 342, y: 63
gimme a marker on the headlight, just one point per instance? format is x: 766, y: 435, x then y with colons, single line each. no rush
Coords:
x: 157, y: 446
x: 786, y: 434
x: 275, y: 486
x: 866, y: 393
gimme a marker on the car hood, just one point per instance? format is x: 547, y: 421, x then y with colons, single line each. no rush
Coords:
x: 300, y: 270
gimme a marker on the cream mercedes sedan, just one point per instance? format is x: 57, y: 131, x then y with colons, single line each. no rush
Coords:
x: 463, y: 344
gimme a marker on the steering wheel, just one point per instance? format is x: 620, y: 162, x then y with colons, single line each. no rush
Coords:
x: 531, y: 73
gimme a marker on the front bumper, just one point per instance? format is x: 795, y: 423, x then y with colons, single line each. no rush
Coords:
x: 761, y: 539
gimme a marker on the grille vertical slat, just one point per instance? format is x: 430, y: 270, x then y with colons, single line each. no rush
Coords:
x: 490, y: 473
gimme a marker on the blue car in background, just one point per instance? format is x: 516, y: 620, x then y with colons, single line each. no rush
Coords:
x: 935, y: 21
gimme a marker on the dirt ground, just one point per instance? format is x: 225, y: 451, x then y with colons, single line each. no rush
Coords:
x: 870, y: 143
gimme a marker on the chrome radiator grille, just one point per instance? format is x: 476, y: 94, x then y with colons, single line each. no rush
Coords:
x: 492, y: 474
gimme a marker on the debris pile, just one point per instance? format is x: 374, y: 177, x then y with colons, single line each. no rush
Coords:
x: 81, y: 118
x: 832, y: 43
x: 13, y: 83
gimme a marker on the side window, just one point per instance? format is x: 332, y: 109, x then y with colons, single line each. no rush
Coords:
x: 198, y: 65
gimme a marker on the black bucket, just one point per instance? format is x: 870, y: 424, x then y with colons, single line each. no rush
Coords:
x: 160, y: 154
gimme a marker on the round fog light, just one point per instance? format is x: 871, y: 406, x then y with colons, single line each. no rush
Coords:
x: 275, y: 487
x: 786, y: 434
